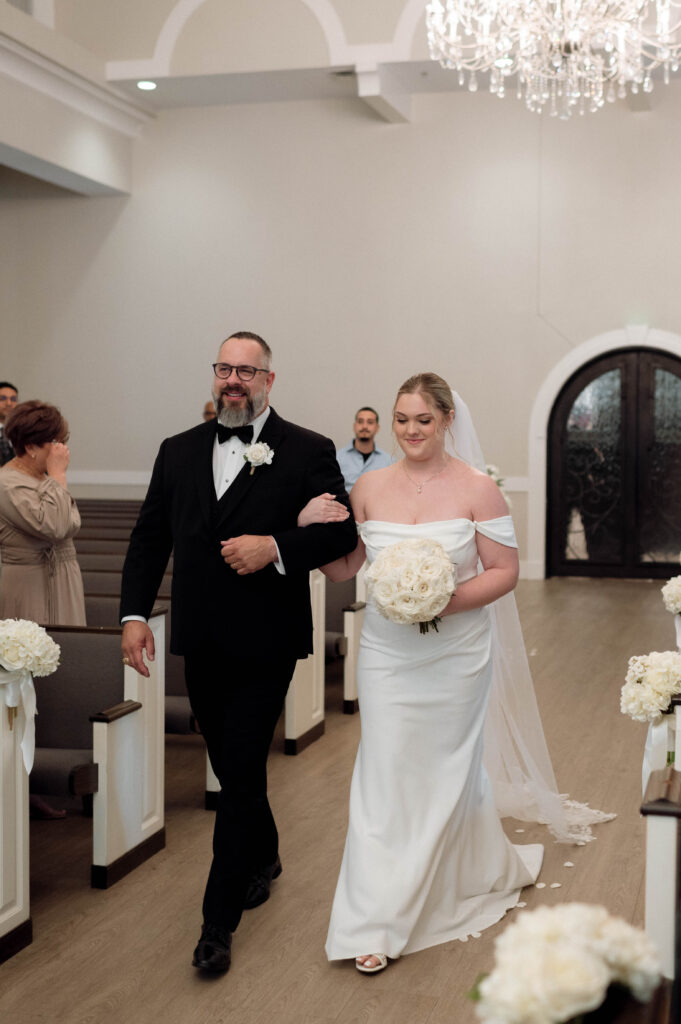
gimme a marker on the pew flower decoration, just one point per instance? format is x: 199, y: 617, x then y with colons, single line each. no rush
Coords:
x: 26, y: 650
x: 495, y: 473
x: 671, y: 595
x: 258, y: 454
x: 557, y: 964
x: 411, y: 582
x: 651, y: 682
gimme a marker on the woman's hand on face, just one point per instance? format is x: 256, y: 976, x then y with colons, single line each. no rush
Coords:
x: 323, y: 509
x: 57, y: 459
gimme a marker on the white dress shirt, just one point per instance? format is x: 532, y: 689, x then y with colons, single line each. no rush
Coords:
x: 228, y: 458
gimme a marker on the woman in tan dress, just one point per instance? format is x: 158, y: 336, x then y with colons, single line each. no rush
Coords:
x: 41, y: 577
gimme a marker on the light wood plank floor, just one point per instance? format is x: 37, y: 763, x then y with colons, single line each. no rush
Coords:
x: 123, y: 955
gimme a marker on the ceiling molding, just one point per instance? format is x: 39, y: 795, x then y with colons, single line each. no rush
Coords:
x: 99, y: 102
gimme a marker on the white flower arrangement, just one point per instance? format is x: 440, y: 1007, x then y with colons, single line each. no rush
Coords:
x: 26, y: 645
x: 554, y: 964
x: 411, y: 582
x: 26, y: 650
x: 651, y: 682
x: 671, y: 595
x: 495, y: 473
x: 258, y: 454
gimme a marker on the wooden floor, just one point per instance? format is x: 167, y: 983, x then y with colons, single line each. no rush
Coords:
x: 123, y: 955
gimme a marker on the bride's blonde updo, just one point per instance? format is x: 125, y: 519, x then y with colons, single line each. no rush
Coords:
x: 436, y: 392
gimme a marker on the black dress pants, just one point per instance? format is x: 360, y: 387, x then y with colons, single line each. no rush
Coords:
x: 237, y: 700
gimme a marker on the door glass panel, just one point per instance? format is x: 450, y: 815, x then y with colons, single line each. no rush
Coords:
x: 660, y: 501
x: 593, y: 510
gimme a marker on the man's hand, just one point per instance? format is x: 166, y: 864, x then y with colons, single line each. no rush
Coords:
x: 137, y: 638
x: 248, y: 553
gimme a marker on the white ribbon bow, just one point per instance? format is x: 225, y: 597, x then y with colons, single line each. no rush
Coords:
x: 17, y: 692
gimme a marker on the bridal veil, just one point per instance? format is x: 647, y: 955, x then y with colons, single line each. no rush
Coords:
x: 516, y: 756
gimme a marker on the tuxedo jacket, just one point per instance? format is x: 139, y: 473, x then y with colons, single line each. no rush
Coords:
x: 214, y: 610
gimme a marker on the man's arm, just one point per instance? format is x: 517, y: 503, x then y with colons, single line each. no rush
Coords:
x: 151, y: 543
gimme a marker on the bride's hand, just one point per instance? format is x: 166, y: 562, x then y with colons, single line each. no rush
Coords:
x: 323, y: 509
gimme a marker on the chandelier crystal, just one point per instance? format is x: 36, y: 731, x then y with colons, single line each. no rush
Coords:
x: 567, y: 55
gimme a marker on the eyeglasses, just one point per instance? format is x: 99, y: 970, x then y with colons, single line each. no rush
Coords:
x: 223, y: 371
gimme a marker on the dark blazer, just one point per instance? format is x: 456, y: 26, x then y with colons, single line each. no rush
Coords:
x: 213, y: 608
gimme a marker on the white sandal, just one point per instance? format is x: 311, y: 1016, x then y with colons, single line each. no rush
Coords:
x: 380, y: 966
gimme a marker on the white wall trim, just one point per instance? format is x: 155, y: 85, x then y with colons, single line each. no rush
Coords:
x: 634, y: 336
x: 158, y: 66
x: 410, y: 19
x: 341, y: 53
x: 32, y: 69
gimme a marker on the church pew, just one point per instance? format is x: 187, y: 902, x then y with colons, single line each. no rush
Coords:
x: 345, y: 603
x: 98, y: 505
x: 103, y: 610
x: 97, y: 711
x: 105, y: 561
x: 101, y: 561
x: 104, y: 531
x: 117, y: 546
x: 109, y: 582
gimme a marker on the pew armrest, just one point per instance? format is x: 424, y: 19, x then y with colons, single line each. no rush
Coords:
x: 125, y: 707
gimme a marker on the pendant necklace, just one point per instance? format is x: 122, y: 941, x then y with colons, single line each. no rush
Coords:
x: 419, y: 486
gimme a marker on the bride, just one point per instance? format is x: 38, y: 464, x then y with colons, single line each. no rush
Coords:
x: 426, y: 859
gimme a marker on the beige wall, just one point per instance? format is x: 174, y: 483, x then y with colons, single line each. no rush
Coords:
x: 479, y: 241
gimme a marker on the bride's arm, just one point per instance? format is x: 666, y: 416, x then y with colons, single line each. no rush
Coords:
x: 349, y: 565
x: 499, y: 577
x: 499, y: 562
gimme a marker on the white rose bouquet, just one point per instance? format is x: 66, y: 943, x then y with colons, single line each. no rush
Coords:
x: 651, y: 682
x: 258, y: 454
x: 555, y: 964
x: 26, y: 650
x: 411, y: 582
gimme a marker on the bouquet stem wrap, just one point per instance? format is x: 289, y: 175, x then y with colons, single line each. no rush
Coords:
x: 18, y: 694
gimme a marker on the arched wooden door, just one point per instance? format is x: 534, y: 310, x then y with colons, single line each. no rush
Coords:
x: 614, y: 461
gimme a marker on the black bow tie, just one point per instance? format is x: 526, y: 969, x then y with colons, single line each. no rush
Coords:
x: 244, y: 434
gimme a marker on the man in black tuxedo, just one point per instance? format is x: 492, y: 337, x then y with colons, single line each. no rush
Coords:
x: 227, y: 508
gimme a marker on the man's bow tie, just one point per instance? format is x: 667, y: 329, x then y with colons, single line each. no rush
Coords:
x: 244, y: 434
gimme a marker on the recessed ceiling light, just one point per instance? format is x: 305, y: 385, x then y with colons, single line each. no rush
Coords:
x: 146, y: 86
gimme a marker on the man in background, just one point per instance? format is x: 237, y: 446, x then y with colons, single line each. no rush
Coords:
x: 362, y: 454
x: 209, y: 412
x: 9, y: 397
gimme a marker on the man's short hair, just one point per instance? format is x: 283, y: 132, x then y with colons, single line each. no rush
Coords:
x: 249, y: 336
x: 366, y: 408
x: 6, y: 384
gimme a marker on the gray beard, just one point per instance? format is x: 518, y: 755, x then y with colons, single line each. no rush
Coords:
x: 240, y: 417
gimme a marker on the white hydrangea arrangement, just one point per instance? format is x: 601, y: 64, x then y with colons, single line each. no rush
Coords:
x: 671, y: 595
x: 651, y: 682
x: 26, y: 645
x: 554, y: 964
x: 411, y: 582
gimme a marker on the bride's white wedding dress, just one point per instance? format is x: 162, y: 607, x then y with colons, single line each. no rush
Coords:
x: 426, y: 859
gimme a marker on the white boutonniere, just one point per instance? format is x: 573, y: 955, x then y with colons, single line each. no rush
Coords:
x: 258, y: 454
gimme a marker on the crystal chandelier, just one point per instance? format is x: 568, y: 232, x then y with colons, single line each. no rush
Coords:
x: 567, y: 55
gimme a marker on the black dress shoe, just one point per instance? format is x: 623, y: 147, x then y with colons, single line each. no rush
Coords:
x: 214, y: 950
x: 259, y: 885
